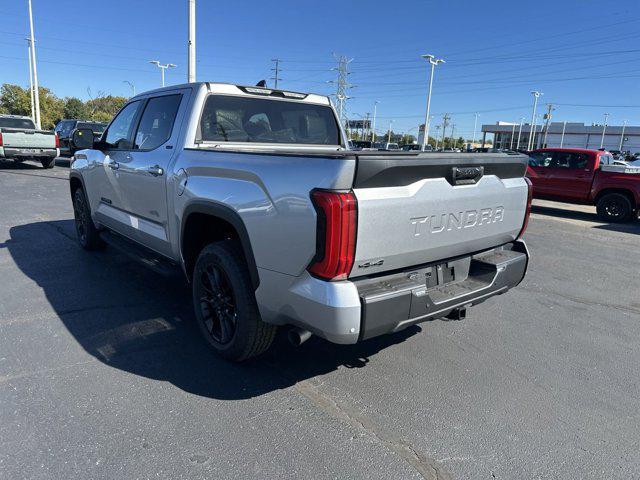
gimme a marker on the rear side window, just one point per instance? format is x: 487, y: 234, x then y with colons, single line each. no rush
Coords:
x: 157, y: 120
x: 259, y: 120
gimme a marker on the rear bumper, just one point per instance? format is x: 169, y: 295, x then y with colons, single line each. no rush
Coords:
x: 349, y: 311
x: 25, y: 153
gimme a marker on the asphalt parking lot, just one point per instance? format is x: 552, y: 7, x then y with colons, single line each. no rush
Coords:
x: 103, y: 374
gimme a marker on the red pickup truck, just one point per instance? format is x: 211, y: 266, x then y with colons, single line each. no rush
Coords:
x: 586, y: 177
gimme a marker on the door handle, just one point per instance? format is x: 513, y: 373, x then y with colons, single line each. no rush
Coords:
x: 156, y: 170
x: 113, y: 165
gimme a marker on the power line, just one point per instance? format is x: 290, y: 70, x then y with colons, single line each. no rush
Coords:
x: 276, y: 69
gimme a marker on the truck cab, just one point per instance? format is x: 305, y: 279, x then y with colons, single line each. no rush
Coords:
x: 587, y: 177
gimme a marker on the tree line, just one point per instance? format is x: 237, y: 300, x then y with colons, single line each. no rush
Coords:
x: 15, y: 100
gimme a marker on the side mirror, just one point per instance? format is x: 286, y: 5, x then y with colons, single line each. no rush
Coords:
x: 82, y: 139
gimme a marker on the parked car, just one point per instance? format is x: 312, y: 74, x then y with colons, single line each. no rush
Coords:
x: 20, y: 141
x: 65, y: 128
x: 390, y: 146
x: 587, y: 177
x: 253, y: 195
x: 416, y: 147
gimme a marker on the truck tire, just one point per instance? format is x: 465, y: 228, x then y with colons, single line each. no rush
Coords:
x: 48, y: 163
x: 614, y: 207
x: 88, y: 235
x: 225, y: 304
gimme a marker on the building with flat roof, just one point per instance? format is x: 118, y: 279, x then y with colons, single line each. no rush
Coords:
x: 564, y: 134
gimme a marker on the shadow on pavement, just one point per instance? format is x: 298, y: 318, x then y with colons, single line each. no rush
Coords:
x: 136, y: 321
x: 28, y: 165
x: 630, y: 227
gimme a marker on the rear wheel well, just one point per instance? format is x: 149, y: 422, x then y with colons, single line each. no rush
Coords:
x: 201, y: 229
x: 621, y: 191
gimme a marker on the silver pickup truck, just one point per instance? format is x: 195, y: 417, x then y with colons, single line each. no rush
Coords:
x: 19, y: 141
x: 253, y: 195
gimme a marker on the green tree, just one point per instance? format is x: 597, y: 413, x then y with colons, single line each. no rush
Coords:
x: 75, y: 108
x: 51, y: 108
x: 15, y: 100
x: 102, y: 109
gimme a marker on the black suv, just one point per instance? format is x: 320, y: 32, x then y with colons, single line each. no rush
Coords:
x: 65, y: 128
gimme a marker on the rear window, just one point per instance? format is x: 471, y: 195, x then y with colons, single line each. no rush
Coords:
x: 16, y: 123
x: 260, y: 120
x: 94, y: 127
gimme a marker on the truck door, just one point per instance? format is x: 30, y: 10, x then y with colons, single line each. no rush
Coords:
x: 569, y: 175
x: 142, y: 174
x: 538, y: 171
x: 102, y: 178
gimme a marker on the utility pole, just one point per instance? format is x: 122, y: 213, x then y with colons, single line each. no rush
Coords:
x: 519, y: 133
x: 373, y: 127
x: 163, y: 67
x: 445, y: 124
x: 341, y: 86
x: 36, y: 93
x: 513, y: 134
x: 132, y: 86
x: 437, y: 135
x: 475, y: 125
x: 453, y: 131
x: 389, y: 134
x: 624, y: 126
x: 191, y: 44
x: 31, y: 82
x: 546, y: 128
x: 366, y: 126
x: 604, y: 129
x: 433, y: 62
x: 276, y: 69
x: 564, y: 127
x: 532, y: 134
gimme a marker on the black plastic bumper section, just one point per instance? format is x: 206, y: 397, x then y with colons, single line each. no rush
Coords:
x: 396, y: 301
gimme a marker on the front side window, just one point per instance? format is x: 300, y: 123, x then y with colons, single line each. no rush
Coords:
x: 157, y: 122
x: 540, y: 159
x: 120, y: 133
x: 260, y: 120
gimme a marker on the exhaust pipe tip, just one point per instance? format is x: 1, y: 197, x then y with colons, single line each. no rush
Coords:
x: 297, y: 336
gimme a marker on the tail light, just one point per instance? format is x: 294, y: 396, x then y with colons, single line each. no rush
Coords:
x: 57, y: 141
x: 1, y: 140
x: 528, y: 211
x: 336, y: 234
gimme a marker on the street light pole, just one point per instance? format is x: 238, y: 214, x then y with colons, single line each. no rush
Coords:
x: 532, y: 135
x: 132, y: 86
x: 163, y: 67
x: 373, y: 128
x: 564, y: 127
x: 519, y: 133
x: 604, y: 129
x: 513, y: 134
x: 191, y: 43
x: 33, y: 115
x: 475, y: 125
x: 36, y: 93
x: 437, y: 128
x: 433, y: 61
x: 624, y: 126
x: 389, y: 134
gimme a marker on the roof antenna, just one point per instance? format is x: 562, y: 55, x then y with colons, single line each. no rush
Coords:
x: 261, y: 83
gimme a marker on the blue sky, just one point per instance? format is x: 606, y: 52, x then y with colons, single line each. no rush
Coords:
x: 583, y: 55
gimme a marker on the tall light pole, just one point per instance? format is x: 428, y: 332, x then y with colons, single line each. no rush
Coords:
x: 191, y: 43
x: 536, y: 95
x: 36, y: 93
x: 437, y: 128
x: 604, y: 129
x: 33, y: 115
x: 564, y: 127
x: 373, y: 128
x: 513, y: 134
x: 132, y: 86
x: 624, y: 126
x: 519, y: 133
x: 475, y: 126
x: 162, y: 67
x: 433, y: 61
x: 389, y: 134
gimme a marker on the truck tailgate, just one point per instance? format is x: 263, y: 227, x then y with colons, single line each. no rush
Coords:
x: 419, y: 209
x: 17, y: 138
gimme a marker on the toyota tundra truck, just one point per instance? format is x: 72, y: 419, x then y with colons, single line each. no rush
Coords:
x: 20, y: 141
x: 252, y: 194
x: 587, y: 177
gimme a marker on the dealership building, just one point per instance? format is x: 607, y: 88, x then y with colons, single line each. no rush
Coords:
x: 563, y: 134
